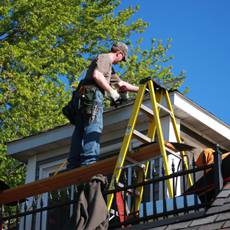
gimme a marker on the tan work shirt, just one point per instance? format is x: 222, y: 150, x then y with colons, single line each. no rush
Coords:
x: 103, y: 64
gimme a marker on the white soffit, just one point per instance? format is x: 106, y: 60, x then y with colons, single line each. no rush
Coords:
x: 40, y: 142
x: 198, y: 117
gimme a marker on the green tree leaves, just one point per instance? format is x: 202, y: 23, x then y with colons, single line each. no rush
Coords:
x: 152, y: 62
x: 42, y: 40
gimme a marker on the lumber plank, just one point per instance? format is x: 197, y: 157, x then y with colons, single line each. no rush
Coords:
x: 75, y: 176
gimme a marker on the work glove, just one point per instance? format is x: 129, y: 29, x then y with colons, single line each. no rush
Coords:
x: 114, y: 95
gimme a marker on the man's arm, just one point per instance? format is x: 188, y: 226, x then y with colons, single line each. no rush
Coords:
x: 102, y: 83
x: 125, y: 86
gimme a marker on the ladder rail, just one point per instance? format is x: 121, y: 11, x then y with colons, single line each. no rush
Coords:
x: 160, y: 136
x: 150, y: 134
x: 155, y: 128
x: 125, y: 143
x: 173, y: 119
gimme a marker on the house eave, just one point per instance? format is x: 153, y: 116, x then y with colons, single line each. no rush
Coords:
x: 190, y: 114
x: 201, y: 121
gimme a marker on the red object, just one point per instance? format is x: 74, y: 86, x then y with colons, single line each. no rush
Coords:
x: 120, y: 206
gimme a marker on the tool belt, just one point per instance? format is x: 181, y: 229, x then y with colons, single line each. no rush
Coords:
x: 82, y: 101
x: 88, y: 105
x: 71, y: 110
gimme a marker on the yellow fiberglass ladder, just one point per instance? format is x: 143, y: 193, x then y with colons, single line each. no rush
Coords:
x: 156, y: 91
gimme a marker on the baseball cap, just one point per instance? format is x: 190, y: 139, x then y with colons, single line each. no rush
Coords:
x: 123, y: 48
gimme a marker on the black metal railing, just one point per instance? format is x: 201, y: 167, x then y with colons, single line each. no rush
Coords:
x: 52, y: 210
x: 57, y: 210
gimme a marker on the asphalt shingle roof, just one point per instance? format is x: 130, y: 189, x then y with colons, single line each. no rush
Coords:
x: 217, y: 216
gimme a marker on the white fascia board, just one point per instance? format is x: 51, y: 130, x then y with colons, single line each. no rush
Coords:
x: 64, y: 132
x: 41, y: 139
x: 184, y: 104
x: 117, y: 115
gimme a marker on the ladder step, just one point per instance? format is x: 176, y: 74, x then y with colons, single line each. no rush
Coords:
x: 141, y: 137
x: 165, y: 109
x: 147, y: 111
x: 150, y: 113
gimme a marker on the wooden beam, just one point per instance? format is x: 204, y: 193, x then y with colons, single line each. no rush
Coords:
x: 75, y: 176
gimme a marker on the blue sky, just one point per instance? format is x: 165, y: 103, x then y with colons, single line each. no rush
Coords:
x: 200, y: 32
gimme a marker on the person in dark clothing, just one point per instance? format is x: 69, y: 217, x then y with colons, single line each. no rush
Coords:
x: 85, y: 143
x: 91, y: 209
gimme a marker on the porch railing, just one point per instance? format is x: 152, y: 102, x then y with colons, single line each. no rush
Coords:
x: 56, y: 209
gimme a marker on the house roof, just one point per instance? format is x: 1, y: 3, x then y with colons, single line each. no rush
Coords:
x: 191, y: 115
x: 217, y: 216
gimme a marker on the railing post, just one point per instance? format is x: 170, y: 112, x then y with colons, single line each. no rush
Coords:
x: 218, y: 179
x: 1, y: 214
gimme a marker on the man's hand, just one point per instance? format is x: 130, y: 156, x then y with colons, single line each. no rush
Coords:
x: 123, y: 89
x: 114, y: 95
x: 125, y: 86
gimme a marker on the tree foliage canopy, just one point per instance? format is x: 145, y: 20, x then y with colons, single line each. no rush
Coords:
x: 43, y: 40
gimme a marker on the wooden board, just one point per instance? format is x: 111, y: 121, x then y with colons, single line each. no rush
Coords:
x: 75, y: 176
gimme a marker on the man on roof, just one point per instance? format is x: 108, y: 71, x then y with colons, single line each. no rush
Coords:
x: 85, y: 143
